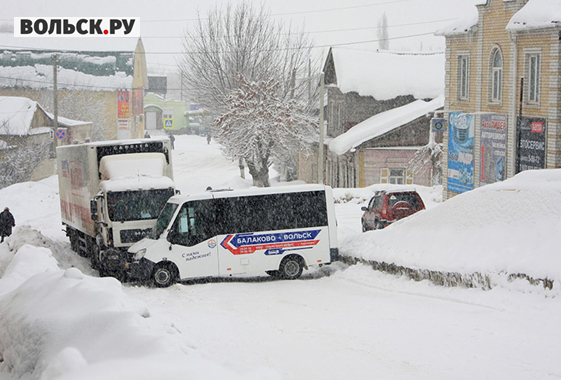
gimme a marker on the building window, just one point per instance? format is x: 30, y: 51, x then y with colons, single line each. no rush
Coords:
x: 496, y: 76
x: 533, y: 75
x: 463, y: 77
x: 397, y: 176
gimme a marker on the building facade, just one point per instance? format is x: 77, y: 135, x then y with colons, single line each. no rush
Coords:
x: 368, y: 138
x: 503, y: 99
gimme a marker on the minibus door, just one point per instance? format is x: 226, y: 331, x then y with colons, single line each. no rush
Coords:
x: 193, y: 251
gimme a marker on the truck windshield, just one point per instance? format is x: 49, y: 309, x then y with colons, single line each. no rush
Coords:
x: 136, y: 205
x: 163, y: 220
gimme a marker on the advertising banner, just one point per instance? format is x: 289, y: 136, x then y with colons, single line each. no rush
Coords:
x: 123, y: 129
x: 531, y: 143
x: 123, y: 105
x: 460, y: 152
x: 138, y: 100
x: 493, y: 148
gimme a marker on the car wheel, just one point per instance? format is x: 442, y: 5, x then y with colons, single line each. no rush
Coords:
x: 291, y: 267
x: 379, y: 225
x: 164, y: 275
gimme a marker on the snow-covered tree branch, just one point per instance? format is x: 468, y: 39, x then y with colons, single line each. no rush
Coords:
x: 262, y: 127
x: 236, y: 41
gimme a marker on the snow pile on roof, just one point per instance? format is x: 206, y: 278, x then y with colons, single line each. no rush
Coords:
x: 40, y: 76
x: 386, y: 75
x: 463, y: 25
x: 16, y: 114
x: 62, y: 324
x: 64, y: 122
x: 383, y: 123
x: 134, y: 172
x: 507, y: 228
x: 132, y: 165
x: 536, y: 14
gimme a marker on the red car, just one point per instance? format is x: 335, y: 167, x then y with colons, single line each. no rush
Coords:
x: 388, y: 206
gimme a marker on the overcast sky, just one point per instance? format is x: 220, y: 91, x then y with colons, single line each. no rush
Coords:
x: 329, y: 22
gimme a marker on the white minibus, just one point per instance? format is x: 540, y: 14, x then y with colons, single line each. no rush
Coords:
x: 277, y: 230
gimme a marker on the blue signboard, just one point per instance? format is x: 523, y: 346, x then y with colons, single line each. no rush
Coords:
x: 460, y: 152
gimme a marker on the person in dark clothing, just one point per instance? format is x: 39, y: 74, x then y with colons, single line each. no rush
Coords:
x: 208, y: 136
x: 172, y: 140
x: 7, y: 221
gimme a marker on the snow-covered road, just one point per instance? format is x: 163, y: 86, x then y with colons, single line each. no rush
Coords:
x: 360, y: 324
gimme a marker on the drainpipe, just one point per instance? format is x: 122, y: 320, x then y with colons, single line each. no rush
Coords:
x: 514, y: 120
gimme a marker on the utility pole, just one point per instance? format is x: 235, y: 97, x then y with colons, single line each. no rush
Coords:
x: 321, y: 131
x: 55, y: 91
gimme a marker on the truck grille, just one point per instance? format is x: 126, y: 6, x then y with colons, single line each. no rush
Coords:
x: 132, y: 236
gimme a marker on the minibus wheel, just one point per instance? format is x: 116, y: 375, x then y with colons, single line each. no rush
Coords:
x: 291, y: 267
x: 164, y: 274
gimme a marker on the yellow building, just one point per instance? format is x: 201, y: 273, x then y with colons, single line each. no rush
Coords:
x: 503, y: 99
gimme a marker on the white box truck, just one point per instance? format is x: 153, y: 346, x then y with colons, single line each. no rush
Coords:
x: 111, y: 194
x: 278, y: 230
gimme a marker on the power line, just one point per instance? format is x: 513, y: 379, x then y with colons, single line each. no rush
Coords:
x: 330, y: 30
x: 295, y: 13
x: 227, y: 51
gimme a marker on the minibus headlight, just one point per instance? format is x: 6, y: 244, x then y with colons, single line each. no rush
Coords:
x: 140, y: 254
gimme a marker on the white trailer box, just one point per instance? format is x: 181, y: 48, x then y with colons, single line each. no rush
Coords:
x: 111, y: 194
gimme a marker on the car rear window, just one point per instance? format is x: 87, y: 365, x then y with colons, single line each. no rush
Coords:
x: 411, y: 198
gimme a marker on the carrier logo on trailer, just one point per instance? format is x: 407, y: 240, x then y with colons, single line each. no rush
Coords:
x: 273, y: 244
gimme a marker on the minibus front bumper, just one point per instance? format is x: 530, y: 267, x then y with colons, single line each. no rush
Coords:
x: 141, y: 269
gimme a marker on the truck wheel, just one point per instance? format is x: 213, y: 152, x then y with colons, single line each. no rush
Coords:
x: 74, y: 243
x: 291, y: 267
x: 94, y: 256
x: 164, y: 275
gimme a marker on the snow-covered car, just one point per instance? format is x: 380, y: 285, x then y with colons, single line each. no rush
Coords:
x: 386, y: 207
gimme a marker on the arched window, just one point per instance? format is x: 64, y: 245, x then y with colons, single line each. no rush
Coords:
x: 496, y: 76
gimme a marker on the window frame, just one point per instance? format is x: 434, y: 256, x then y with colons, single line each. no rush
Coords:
x: 463, y: 77
x: 533, y: 76
x: 496, y: 77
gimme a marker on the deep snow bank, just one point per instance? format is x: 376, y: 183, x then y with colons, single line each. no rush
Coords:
x: 62, y: 324
x: 508, y: 228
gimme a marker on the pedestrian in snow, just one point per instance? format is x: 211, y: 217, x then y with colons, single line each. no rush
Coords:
x: 146, y: 135
x: 7, y: 221
x: 172, y: 140
x: 208, y: 136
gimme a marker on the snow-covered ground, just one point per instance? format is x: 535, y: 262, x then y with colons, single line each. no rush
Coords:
x: 59, y: 320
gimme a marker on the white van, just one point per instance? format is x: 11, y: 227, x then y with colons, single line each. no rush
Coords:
x: 278, y: 230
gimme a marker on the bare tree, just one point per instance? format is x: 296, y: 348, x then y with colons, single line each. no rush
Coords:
x: 236, y: 41
x: 383, y: 37
x: 83, y: 105
x: 428, y: 158
x: 262, y: 127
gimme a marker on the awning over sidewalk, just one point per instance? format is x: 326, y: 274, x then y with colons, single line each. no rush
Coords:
x: 383, y: 123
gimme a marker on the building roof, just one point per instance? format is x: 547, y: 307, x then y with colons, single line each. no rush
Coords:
x: 534, y: 14
x: 383, y: 123
x: 16, y: 115
x: 386, y: 74
x: 27, y: 63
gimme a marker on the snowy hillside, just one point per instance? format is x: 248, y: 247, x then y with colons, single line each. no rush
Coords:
x: 506, y: 228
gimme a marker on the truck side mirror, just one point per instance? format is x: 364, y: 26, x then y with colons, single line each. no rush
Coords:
x: 93, y: 209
